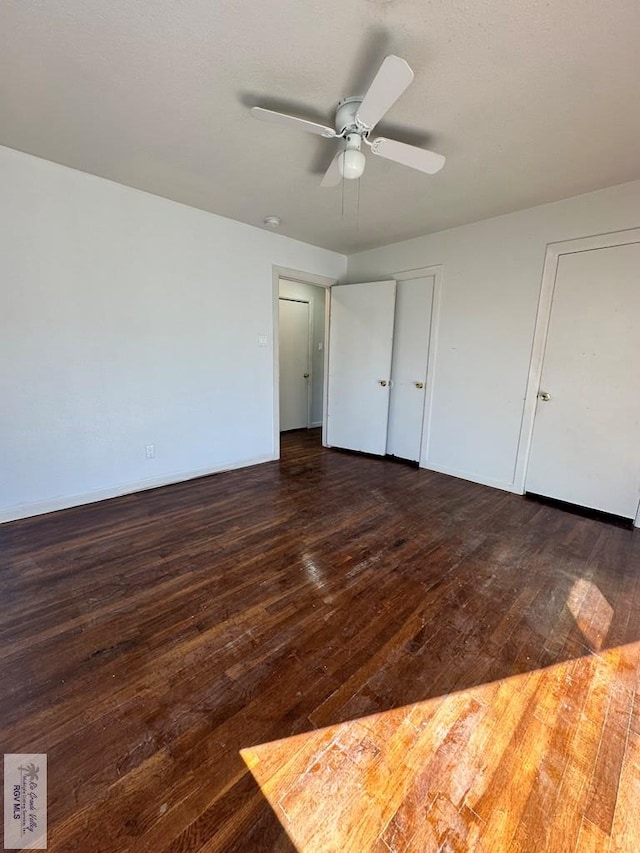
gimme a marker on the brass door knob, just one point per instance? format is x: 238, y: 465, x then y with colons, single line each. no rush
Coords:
x: 544, y: 396
x: 420, y: 385
x: 383, y: 382
x: 306, y: 375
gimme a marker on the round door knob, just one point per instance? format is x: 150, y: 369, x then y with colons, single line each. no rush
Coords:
x: 544, y: 396
x: 382, y: 382
x: 420, y: 385
x: 306, y: 375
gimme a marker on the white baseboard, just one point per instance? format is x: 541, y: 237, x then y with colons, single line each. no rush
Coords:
x: 67, y: 501
x: 315, y: 424
x: 466, y: 475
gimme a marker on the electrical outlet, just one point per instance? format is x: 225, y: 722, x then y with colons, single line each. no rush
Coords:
x: 150, y: 451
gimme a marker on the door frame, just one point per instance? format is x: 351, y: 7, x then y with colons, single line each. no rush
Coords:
x: 278, y: 272
x: 434, y: 321
x: 309, y: 349
x: 554, y: 252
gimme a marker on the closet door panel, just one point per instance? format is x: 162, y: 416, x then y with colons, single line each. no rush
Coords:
x: 411, y: 336
x: 360, y: 346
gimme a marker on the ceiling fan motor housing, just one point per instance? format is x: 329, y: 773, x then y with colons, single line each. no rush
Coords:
x: 346, y: 117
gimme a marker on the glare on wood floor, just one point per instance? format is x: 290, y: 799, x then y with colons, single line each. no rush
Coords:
x: 498, y: 767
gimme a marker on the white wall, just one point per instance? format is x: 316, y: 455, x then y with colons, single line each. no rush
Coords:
x: 492, y: 273
x: 315, y: 296
x: 126, y: 320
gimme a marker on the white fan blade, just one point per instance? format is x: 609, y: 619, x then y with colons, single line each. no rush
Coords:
x: 292, y: 121
x: 393, y: 77
x: 332, y: 176
x: 408, y: 155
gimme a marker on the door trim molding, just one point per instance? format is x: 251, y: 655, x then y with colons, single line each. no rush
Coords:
x: 406, y: 275
x: 554, y: 252
x: 278, y: 272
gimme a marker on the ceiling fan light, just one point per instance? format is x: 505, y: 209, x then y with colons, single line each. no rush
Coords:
x: 351, y: 164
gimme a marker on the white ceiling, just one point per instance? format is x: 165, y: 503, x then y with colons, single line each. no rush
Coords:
x: 530, y: 100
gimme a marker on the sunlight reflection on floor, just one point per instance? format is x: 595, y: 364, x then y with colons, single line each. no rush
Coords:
x: 592, y: 612
x: 512, y: 764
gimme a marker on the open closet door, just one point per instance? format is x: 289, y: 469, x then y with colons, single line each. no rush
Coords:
x: 360, y: 346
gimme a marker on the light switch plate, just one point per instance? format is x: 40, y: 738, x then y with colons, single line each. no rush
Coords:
x: 263, y: 341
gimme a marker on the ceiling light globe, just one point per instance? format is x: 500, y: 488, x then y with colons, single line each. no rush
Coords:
x: 351, y: 164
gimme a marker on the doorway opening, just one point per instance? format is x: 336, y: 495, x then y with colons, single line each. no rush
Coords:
x: 301, y: 356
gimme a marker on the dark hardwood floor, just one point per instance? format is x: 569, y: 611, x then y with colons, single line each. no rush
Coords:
x: 329, y: 653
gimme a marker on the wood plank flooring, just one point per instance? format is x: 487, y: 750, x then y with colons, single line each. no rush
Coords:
x: 329, y: 653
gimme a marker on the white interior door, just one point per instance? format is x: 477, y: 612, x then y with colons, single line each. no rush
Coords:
x: 360, y: 343
x: 293, y: 345
x: 409, y: 367
x: 586, y: 439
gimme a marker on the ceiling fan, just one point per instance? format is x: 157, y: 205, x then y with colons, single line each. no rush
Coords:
x: 355, y: 119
